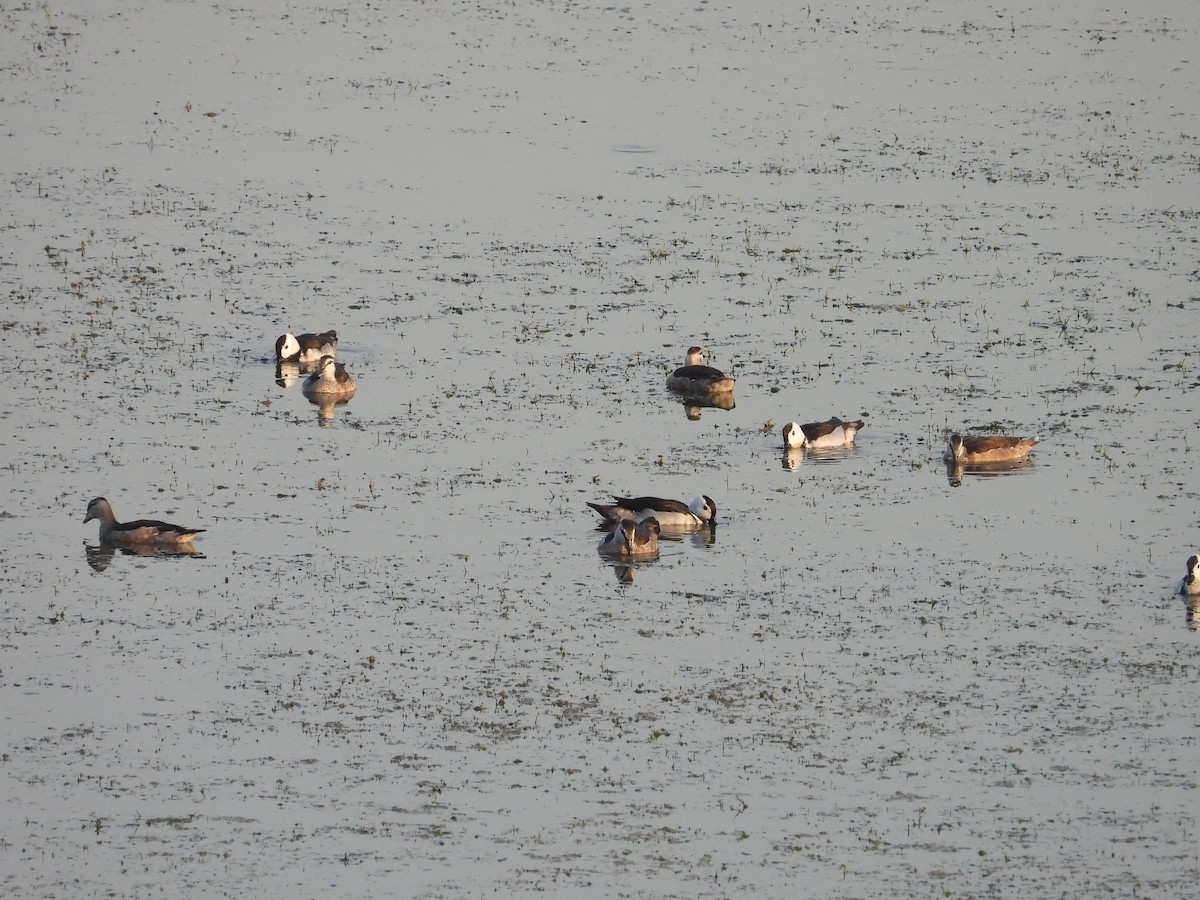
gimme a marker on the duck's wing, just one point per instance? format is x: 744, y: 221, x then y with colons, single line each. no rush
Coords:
x: 282, y: 348
x: 611, y: 513
x: 987, y: 443
x: 699, y: 373
x: 150, y: 528
x: 655, y: 504
x: 138, y: 524
x: 817, y: 430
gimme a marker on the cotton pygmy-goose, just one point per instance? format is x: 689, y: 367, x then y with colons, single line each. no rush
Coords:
x: 987, y: 448
x: 671, y: 514
x: 632, y: 538
x: 815, y: 435
x: 141, y: 531
x: 1190, y: 586
x: 330, y: 378
x: 306, y: 347
x: 698, y: 379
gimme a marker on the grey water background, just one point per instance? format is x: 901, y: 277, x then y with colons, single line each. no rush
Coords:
x: 399, y: 666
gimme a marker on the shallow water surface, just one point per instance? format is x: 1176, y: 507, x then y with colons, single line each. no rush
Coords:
x: 397, y: 663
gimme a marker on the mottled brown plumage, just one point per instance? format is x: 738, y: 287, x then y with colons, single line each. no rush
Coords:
x: 631, y: 538
x: 331, y: 378
x: 986, y: 448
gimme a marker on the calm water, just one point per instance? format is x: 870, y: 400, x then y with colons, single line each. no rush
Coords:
x: 398, y: 666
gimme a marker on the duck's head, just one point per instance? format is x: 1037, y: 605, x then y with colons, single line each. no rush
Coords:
x: 286, y: 346
x: 97, y: 509
x: 793, y: 435
x: 628, y: 531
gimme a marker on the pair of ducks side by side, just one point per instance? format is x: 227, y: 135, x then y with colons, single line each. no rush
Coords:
x: 978, y: 450
x: 674, y: 515
x: 695, y: 379
x: 637, y: 522
x: 330, y: 378
x: 961, y: 450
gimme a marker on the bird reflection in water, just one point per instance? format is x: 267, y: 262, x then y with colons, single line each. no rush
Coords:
x: 794, y: 456
x: 702, y: 540
x: 326, y: 404
x: 288, y: 372
x: 625, y: 568
x: 955, y: 471
x: 100, y: 556
x: 693, y: 407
